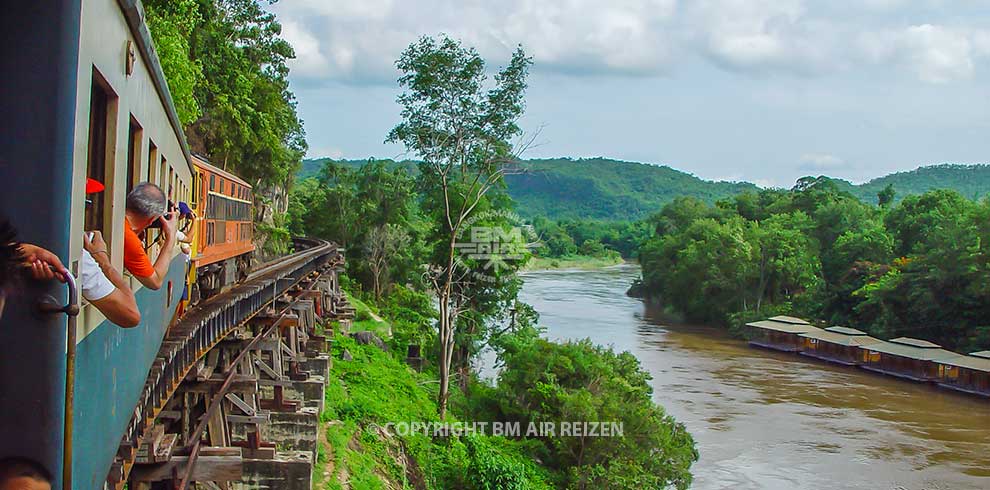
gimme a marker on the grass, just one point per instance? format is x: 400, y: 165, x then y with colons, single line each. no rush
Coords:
x: 571, y: 262
x: 367, y: 319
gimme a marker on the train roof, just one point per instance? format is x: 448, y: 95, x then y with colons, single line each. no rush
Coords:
x: 201, y: 161
x: 134, y: 13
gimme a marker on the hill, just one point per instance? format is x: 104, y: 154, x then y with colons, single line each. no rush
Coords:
x: 594, y: 188
x: 972, y: 181
x: 606, y: 189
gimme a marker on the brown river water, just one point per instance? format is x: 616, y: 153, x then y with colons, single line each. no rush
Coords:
x: 767, y: 420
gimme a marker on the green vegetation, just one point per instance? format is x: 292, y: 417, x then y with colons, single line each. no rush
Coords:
x: 370, y: 394
x: 401, y: 228
x: 582, y: 189
x: 374, y: 389
x: 573, y: 262
x: 225, y: 63
x: 918, y: 268
x: 612, y: 190
x: 970, y: 181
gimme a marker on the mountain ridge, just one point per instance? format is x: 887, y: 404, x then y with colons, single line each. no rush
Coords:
x: 609, y: 189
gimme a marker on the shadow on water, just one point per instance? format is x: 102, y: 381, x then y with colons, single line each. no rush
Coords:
x: 764, y: 419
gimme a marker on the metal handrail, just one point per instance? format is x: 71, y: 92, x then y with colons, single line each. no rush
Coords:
x: 48, y: 305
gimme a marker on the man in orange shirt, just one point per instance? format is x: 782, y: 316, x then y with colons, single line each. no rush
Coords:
x: 146, y: 207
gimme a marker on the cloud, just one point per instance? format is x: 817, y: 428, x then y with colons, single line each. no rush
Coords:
x: 936, y: 54
x: 325, y: 152
x: 821, y: 162
x: 761, y: 35
x: 358, y: 42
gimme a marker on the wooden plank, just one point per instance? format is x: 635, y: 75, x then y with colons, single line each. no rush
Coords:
x: 206, y: 468
x: 241, y: 404
x: 170, y: 415
x: 250, y: 419
x: 265, y: 368
x: 274, y: 382
x: 240, y: 384
x: 216, y: 428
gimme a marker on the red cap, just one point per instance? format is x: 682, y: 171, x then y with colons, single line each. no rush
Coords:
x: 93, y: 186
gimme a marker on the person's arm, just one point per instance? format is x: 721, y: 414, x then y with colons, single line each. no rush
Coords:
x: 44, y: 265
x: 156, y: 280
x: 119, y: 307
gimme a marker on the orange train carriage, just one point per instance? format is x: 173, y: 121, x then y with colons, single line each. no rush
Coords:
x: 222, y: 233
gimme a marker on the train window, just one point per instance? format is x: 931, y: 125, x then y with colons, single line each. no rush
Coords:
x: 170, y: 190
x: 221, y: 190
x: 134, y: 136
x: 102, y: 131
x: 152, y: 161
x: 213, y: 182
x: 161, y: 173
x: 197, y: 189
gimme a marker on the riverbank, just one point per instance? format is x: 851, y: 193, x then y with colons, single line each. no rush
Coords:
x: 579, y: 262
x: 827, y: 420
x: 375, y: 402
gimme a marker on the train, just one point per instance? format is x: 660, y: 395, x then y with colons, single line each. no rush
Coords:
x: 85, y: 97
x: 223, y: 232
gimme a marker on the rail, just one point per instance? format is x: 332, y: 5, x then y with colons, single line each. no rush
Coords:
x: 203, y: 327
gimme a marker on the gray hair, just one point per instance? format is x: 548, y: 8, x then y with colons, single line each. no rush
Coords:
x: 146, y: 200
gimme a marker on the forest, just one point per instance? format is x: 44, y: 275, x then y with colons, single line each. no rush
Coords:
x: 602, y: 189
x: 916, y: 267
x: 400, y: 225
x: 905, y: 254
x: 226, y: 66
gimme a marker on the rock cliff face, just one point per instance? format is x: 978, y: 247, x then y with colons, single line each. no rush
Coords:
x: 271, y: 237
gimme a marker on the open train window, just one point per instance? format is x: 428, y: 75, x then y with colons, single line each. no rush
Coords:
x: 99, y: 164
x: 161, y: 174
x: 134, y: 137
x: 197, y: 190
x: 152, y: 160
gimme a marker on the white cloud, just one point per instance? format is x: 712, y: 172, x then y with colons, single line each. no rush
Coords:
x: 936, y: 54
x: 359, y: 41
x: 325, y: 152
x: 309, y: 61
x: 821, y: 162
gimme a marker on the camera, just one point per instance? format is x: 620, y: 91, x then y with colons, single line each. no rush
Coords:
x: 157, y: 224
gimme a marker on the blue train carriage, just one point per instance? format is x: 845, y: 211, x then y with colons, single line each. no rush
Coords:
x: 84, y: 96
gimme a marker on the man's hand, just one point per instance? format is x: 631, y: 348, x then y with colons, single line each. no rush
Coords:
x: 169, y: 225
x: 94, y: 244
x: 43, y: 264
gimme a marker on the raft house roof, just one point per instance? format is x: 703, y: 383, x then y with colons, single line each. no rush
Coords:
x: 785, y: 324
x: 977, y: 361
x: 921, y: 350
x: 842, y: 336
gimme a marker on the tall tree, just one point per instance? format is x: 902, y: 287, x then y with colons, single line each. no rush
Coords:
x: 462, y: 131
x: 383, y: 242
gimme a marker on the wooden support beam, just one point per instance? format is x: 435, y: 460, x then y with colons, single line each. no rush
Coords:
x: 250, y: 419
x: 274, y: 382
x: 170, y: 415
x: 265, y: 368
x: 229, y: 467
x: 241, y: 404
x: 241, y: 384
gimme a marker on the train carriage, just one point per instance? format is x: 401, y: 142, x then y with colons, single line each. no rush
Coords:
x: 84, y: 96
x: 223, y: 231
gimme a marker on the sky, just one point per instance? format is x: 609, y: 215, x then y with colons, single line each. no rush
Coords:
x: 765, y: 91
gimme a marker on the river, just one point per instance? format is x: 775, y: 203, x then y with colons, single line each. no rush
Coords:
x: 766, y: 420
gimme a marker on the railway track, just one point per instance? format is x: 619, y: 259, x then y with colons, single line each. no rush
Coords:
x: 262, y: 312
